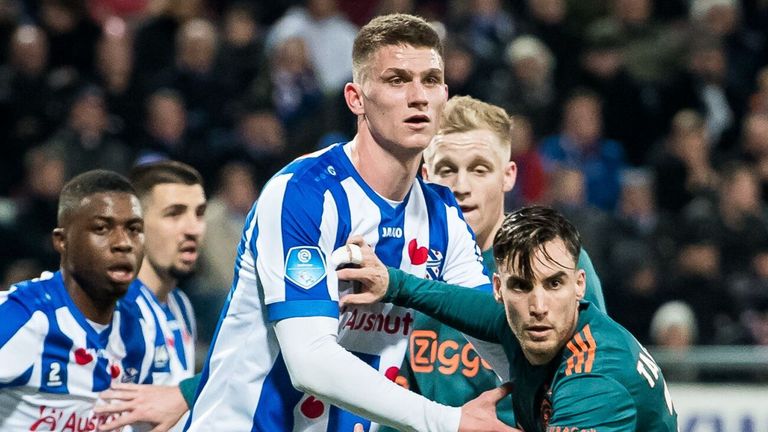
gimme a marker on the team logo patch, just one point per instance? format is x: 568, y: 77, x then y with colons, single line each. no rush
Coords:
x: 305, y: 266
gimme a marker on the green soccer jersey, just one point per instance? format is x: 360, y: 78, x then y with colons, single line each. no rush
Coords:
x: 441, y: 365
x: 604, y: 380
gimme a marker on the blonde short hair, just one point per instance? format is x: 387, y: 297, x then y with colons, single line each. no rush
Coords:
x: 465, y: 113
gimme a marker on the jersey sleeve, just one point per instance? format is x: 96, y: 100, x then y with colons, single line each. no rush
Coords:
x: 448, y: 304
x: 463, y: 261
x: 586, y: 402
x: 594, y: 292
x: 291, y: 250
x: 21, y: 340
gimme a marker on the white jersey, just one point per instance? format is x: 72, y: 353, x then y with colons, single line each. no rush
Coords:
x: 174, y: 358
x: 305, y: 212
x: 53, y: 362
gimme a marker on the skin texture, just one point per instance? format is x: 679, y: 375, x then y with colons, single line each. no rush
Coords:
x: 101, y: 244
x: 473, y: 166
x: 398, y: 105
x: 542, y: 312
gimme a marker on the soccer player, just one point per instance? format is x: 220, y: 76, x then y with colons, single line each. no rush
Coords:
x: 573, y: 367
x: 471, y: 155
x: 174, y: 204
x: 284, y: 356
x: 67, y: 335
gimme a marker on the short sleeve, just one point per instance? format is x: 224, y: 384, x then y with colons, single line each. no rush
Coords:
x: 21, y: 340
x: 291, y: 250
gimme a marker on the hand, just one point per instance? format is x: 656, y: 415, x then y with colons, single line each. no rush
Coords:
x: 372, y: 273
x: 479, y: 414
x: 160, y: 406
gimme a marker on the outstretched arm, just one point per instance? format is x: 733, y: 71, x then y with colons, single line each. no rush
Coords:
x: 346, y: 381
x: 470, y: 311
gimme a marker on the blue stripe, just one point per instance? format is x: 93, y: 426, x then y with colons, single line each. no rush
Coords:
x: 133, y: 338
x: 277, y: 400
x: 302, y: 308
x: 390, y: 249
x: 301, y: 213
x: 438, y: 232
x: 56, y: 349
x: 14, y: 315
x: 344, y: 421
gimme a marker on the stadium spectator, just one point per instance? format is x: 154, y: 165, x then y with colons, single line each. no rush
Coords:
x: 581, y: 145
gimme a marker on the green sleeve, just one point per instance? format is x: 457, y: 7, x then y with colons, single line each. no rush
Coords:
x: 188, y: 389
x: 592, y: 402
x: 470, y: 311
x: 594, y: 292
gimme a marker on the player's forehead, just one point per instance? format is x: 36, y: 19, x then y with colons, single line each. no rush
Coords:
x: 112, y: 205
x: 168, y: 194
x: 546, y: 259
x: 468, y: 145
x: 406, y: 57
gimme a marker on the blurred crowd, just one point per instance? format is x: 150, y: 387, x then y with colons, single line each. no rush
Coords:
x: 645, y: 121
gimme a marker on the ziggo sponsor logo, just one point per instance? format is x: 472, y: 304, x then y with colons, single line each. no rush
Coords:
x: 428, y: 353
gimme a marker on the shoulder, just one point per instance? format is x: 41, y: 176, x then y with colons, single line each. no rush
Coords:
x: 308, y: 176
x: 33, y: 295
x: 600, y: 346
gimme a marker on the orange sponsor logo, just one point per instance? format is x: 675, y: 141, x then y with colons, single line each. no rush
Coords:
x: 448, y: 356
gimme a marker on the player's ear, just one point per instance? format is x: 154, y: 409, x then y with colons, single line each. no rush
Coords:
x: 497, y: 287
x: 59, y: 239
x: 353, y: 95
x: 510, y: 176
x: 581, y: 284
x: 424, y: 172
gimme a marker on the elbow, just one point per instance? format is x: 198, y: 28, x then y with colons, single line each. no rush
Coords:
x: 303, y: 372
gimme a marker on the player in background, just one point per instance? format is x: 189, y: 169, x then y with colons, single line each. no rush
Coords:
x: 470, y: 154
x: 67, y: 335
x: 573, y: 367
x: 174, y: 203
x: 284, y: 356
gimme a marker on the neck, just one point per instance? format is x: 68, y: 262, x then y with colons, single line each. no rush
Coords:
x: 160, y: 283
x: 388, y: 174
x: 485, y: 240
x: 96, y: 310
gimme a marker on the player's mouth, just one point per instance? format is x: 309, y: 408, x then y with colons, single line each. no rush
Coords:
x: 418, y: 121
x: 467, y: 208
x: 188, y: 252
x: 121, y: 273
x: 538, y: 332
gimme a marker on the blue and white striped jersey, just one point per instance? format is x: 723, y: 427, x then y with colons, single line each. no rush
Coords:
x: 174, y: 358
x: 305, y: 212
x: 53, y: 362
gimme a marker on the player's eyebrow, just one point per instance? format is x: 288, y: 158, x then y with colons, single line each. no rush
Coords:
x: 559, y: 275
x: 517, y: 281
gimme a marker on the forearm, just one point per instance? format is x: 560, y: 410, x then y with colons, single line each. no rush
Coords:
x: 346, y: 381
x: 470, y: 311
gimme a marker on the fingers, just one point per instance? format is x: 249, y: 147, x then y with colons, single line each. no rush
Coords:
x: 114, y: 394
x: 113, y: 408
x: 498, y: 393
x: 350, y: 253
x: 116, y: 424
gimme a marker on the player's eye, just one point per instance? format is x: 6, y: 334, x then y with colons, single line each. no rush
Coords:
x: 136, y: 228
x: 445, y: 171
x: 396, y: 81
x: 432, y: 80
x: 481, y: 170
x: 100, y: 229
